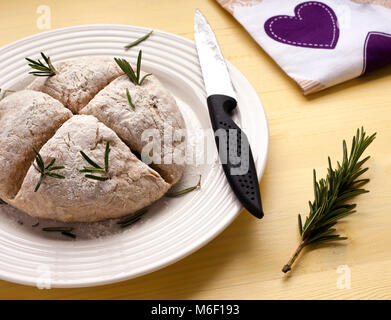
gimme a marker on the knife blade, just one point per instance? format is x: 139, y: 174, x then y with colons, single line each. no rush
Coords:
x: 232, y: 143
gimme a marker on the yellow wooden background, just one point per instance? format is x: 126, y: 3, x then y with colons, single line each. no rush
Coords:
x: 244, y: 262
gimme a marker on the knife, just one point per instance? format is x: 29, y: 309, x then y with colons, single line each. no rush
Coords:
x: 232, y: 143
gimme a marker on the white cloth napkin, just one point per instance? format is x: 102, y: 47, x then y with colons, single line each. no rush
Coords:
x: 319, y: 43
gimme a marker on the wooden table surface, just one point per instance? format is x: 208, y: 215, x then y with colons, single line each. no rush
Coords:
x: 245, y: 261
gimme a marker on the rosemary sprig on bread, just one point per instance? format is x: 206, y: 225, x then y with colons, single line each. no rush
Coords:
x: 95, y: 167
x: 45, y: 170
x: 134, y: 77
x: 47, y: 70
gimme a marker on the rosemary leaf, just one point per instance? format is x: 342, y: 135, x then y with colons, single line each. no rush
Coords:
x: 99, y: 178
x: 68, y: 234
x: 50, y: 164
x: 54, y: 175
x: 143, y: 78
x: 138, y: 41
x: 38, y: 183
x: 331, y: 194
x: 40, y: 74
x: 48, y: 62
x: 91, y: 170
x: 130, y: 223
x: 107, y: 151
x: 327, y: 239
x: 57, y: 229
x: 140, y: 54
x: 185, y: 191
x: 300, y: 225
x: 39, y: 160
x: 93, y: 163
x: 55, y: 168
x: 130, y: 99
x: 133, y: 216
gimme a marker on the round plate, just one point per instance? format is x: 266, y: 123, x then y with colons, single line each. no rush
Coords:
x: 173, y: 228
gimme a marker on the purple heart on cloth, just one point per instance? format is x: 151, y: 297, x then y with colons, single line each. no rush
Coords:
x: 377, y: 51
x: 314, y: 25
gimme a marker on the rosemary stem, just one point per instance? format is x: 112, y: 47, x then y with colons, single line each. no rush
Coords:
x: 292, y: 260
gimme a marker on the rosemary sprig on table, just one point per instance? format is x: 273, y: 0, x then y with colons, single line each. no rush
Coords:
x: 134, y: 77
x: 138, y: 41
x: 130, y: 99
x: 43, y: 70
x: 184, y: 191
x: 331, y: 195
x: 132, y: 218
x: 95, y: 167
x: 45, y: 170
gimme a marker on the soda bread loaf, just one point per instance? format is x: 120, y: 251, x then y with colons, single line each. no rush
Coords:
x: 83, y: 108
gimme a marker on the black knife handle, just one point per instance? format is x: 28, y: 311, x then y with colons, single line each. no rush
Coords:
x: 230, y: 140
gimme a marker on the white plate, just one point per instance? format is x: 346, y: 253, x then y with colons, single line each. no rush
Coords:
x: 173, y: 228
